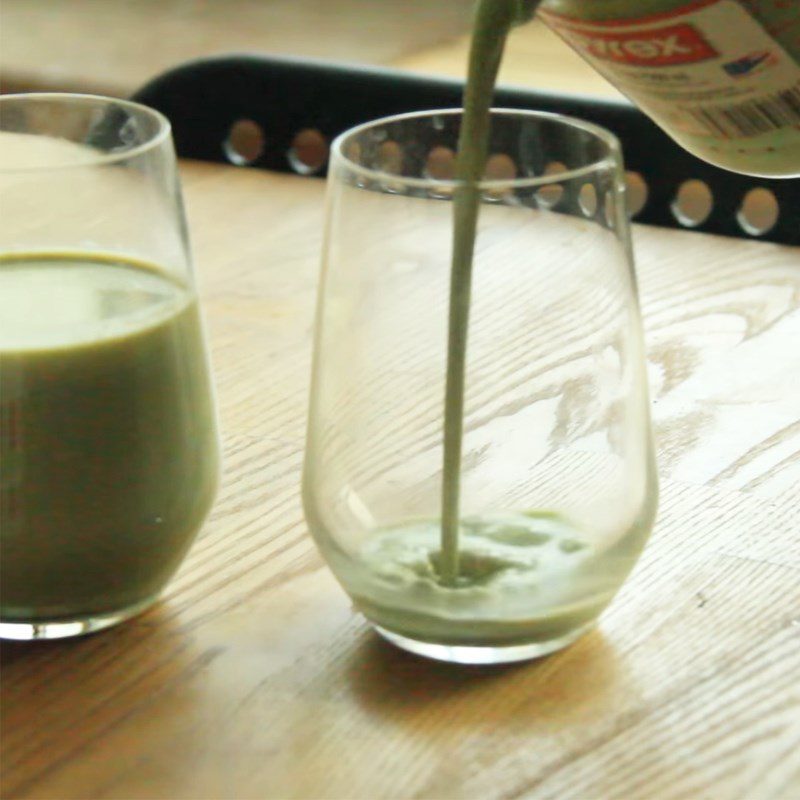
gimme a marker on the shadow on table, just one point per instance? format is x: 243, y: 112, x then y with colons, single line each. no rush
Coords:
x: 155, y: 624
x: 390, y: 682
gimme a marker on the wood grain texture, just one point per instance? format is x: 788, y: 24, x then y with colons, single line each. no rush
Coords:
x: 114, y: 46
x: 255, y: 679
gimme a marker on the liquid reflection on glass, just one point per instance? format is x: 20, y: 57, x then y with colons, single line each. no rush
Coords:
x: 558, y: 486
x: 108, y: 443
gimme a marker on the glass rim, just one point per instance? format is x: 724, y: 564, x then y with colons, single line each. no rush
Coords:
x: 162, y: 133
x: 611, y: 160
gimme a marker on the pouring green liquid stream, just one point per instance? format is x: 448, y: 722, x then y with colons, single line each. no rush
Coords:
x: 493, y: 20
x: 512, y: 578
x: 773, y: 153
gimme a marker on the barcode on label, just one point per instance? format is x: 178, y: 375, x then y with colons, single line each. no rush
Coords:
x: 768, y: 113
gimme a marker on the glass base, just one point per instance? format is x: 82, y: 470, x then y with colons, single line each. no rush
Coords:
x: 65, y: 628
x: 488, y: 654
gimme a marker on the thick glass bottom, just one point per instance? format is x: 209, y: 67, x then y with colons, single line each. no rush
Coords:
x: 489, y: 654
x: 65, y: 628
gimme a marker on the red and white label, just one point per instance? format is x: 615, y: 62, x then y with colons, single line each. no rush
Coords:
x: 707, y: 68
x: 666, y: 46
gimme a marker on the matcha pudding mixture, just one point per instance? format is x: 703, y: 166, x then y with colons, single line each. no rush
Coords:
x: 108, y: 448
x: 480, y: 580
x: 510, y: 578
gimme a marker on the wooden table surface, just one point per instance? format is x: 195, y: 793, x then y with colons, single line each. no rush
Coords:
x: 254, y: 678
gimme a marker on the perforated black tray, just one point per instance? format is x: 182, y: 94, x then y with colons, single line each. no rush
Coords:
x: 204, y: 99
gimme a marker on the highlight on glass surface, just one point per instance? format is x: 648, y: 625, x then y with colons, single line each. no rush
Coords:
x: 557, y: 481
x: 108, y: 442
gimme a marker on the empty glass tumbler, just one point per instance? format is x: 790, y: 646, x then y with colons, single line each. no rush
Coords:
x: 557, y: 476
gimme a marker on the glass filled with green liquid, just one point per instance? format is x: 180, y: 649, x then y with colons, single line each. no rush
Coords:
x: 554, y: 479
x: 108, y: 443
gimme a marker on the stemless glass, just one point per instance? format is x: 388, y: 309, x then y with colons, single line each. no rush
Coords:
x: 558, y: 483
x: 108, y: 445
